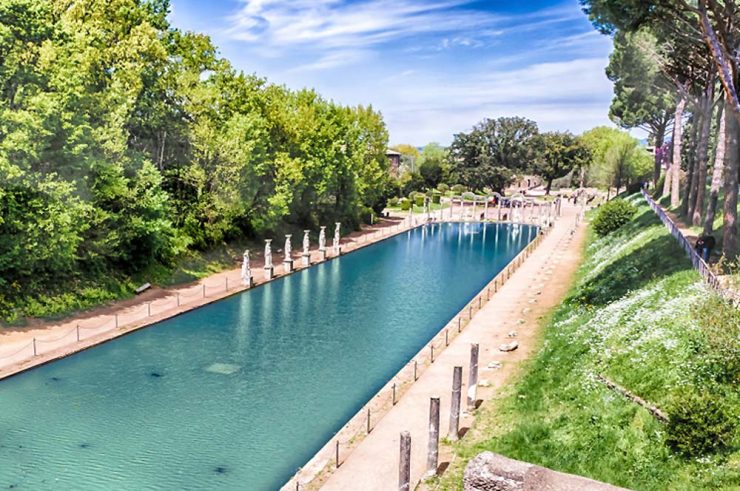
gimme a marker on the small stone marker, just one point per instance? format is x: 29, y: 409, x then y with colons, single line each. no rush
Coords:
x: 509, y: 347
x: 494, y: 365
x: 143, y: 288
x: 512, y: 334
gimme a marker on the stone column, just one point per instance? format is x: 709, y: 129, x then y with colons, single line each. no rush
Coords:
x: 336, y: 245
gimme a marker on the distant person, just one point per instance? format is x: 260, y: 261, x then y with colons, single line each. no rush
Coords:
x: 704, y: 245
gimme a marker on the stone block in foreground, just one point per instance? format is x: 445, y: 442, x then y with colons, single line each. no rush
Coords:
x: 493, y: 472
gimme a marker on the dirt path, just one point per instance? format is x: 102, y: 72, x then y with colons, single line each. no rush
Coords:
x: 534, y: 289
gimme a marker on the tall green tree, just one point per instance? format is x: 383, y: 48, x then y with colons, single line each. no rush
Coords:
x: 643, y: 96
x: 558, y: 154
x: 493, y: 152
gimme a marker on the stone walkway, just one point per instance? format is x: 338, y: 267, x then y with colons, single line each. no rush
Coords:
x: 537, y: 286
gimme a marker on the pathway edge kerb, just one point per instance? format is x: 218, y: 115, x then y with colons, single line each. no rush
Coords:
x: 115, y: 333
x: 322, y: 464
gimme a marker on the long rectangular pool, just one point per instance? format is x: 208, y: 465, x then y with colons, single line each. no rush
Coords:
x: 240, y: 393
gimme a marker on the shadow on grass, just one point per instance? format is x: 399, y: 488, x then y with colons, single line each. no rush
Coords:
x: 655, y: 259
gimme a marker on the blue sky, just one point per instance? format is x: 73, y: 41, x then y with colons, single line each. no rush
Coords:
x: 433, y: 68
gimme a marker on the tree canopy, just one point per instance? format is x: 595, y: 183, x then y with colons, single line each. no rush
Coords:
x: 124, y: 142
x: 493, y: 152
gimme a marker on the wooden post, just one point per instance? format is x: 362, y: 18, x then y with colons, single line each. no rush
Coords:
x: 415, y: 377
x: 394, y: 394
x: 455, y: 405
x: 404, y: 466
x: 433, y: 448
x: 480, y: 302
x: 178, y: 299
x: 116, y: 321
x: 34, y: 346
x: 149, y: 309
x: 473, y: 376
x: 226, y: 283
x: 459, y: 324
x: 432, y: 350
x: 336, y: 453
x: 447, y: 338
x: 204, y: 290
x: 78, y: 333
x: 368, y: 421
x: 470, y: 311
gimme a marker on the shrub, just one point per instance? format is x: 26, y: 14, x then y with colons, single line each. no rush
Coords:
x: 443, y: 188
x: 458, y: 189
x: 436, y: 198
x: 419, y: 199
x: 612, y: 215
x: 393, y: 202
x: 699, y: 423
x: 405, y: 204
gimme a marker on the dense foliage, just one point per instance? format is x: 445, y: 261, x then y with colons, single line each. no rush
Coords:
x: 612, y: 215
x: 124, y: 142
x: 494, y: 152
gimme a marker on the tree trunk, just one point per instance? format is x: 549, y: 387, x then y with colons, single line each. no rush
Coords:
x: 702, y: 158
x: 549, y: 185
x: 659, y: 136
x: 676, y: 164
x: 729, y: 238
x: 696, y: 120
x: 719, y: 163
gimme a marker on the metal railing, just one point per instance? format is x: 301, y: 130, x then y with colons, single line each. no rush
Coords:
x: 709, y: 276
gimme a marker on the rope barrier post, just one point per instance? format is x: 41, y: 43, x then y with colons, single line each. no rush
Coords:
x: 470, y: 311
x: 116, y: 321
x: 432, y: 349
x: 433, y: 448
x: 394, y: 394
x: 455, y: 404
x: 178, y: 299
x: 149, y: 309
x: 34, y: 346
x: 226, y: 288
x: 336, y: 453
x: 404, y: 465
x: 78, y: 333
x: 415, y: 377
x: 368, y: 421
x: 473, y: 376
x: 204, y: 290
x: 447, y: 338
x: 480, y: 302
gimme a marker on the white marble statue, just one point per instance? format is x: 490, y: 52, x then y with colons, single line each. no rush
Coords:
x: 268, y: 254
x: 288, y: 248
x: 322, y: 238
x: 336, y: 238
x: 306, y: 243
x: 246, y: 270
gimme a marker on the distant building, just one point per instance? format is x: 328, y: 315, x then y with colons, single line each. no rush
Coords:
x: 395, y: 161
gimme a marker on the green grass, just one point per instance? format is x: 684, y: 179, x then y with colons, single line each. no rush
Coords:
x: 640, y: 316
x: 420, y: 209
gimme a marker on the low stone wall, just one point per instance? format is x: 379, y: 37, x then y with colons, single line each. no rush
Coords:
x: 493, y: 472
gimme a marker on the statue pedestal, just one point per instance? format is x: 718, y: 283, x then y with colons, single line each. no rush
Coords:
x: 269, y: 273
x: 322, y: 255
x: 288, y: 265
x: 249, y: 282
x: 338, y: 251
x: 306, y: 258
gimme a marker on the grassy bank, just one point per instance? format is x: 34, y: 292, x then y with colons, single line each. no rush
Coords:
x: 639, y: 316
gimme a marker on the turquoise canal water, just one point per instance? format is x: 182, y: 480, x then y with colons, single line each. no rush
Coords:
x: 240, y: 393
